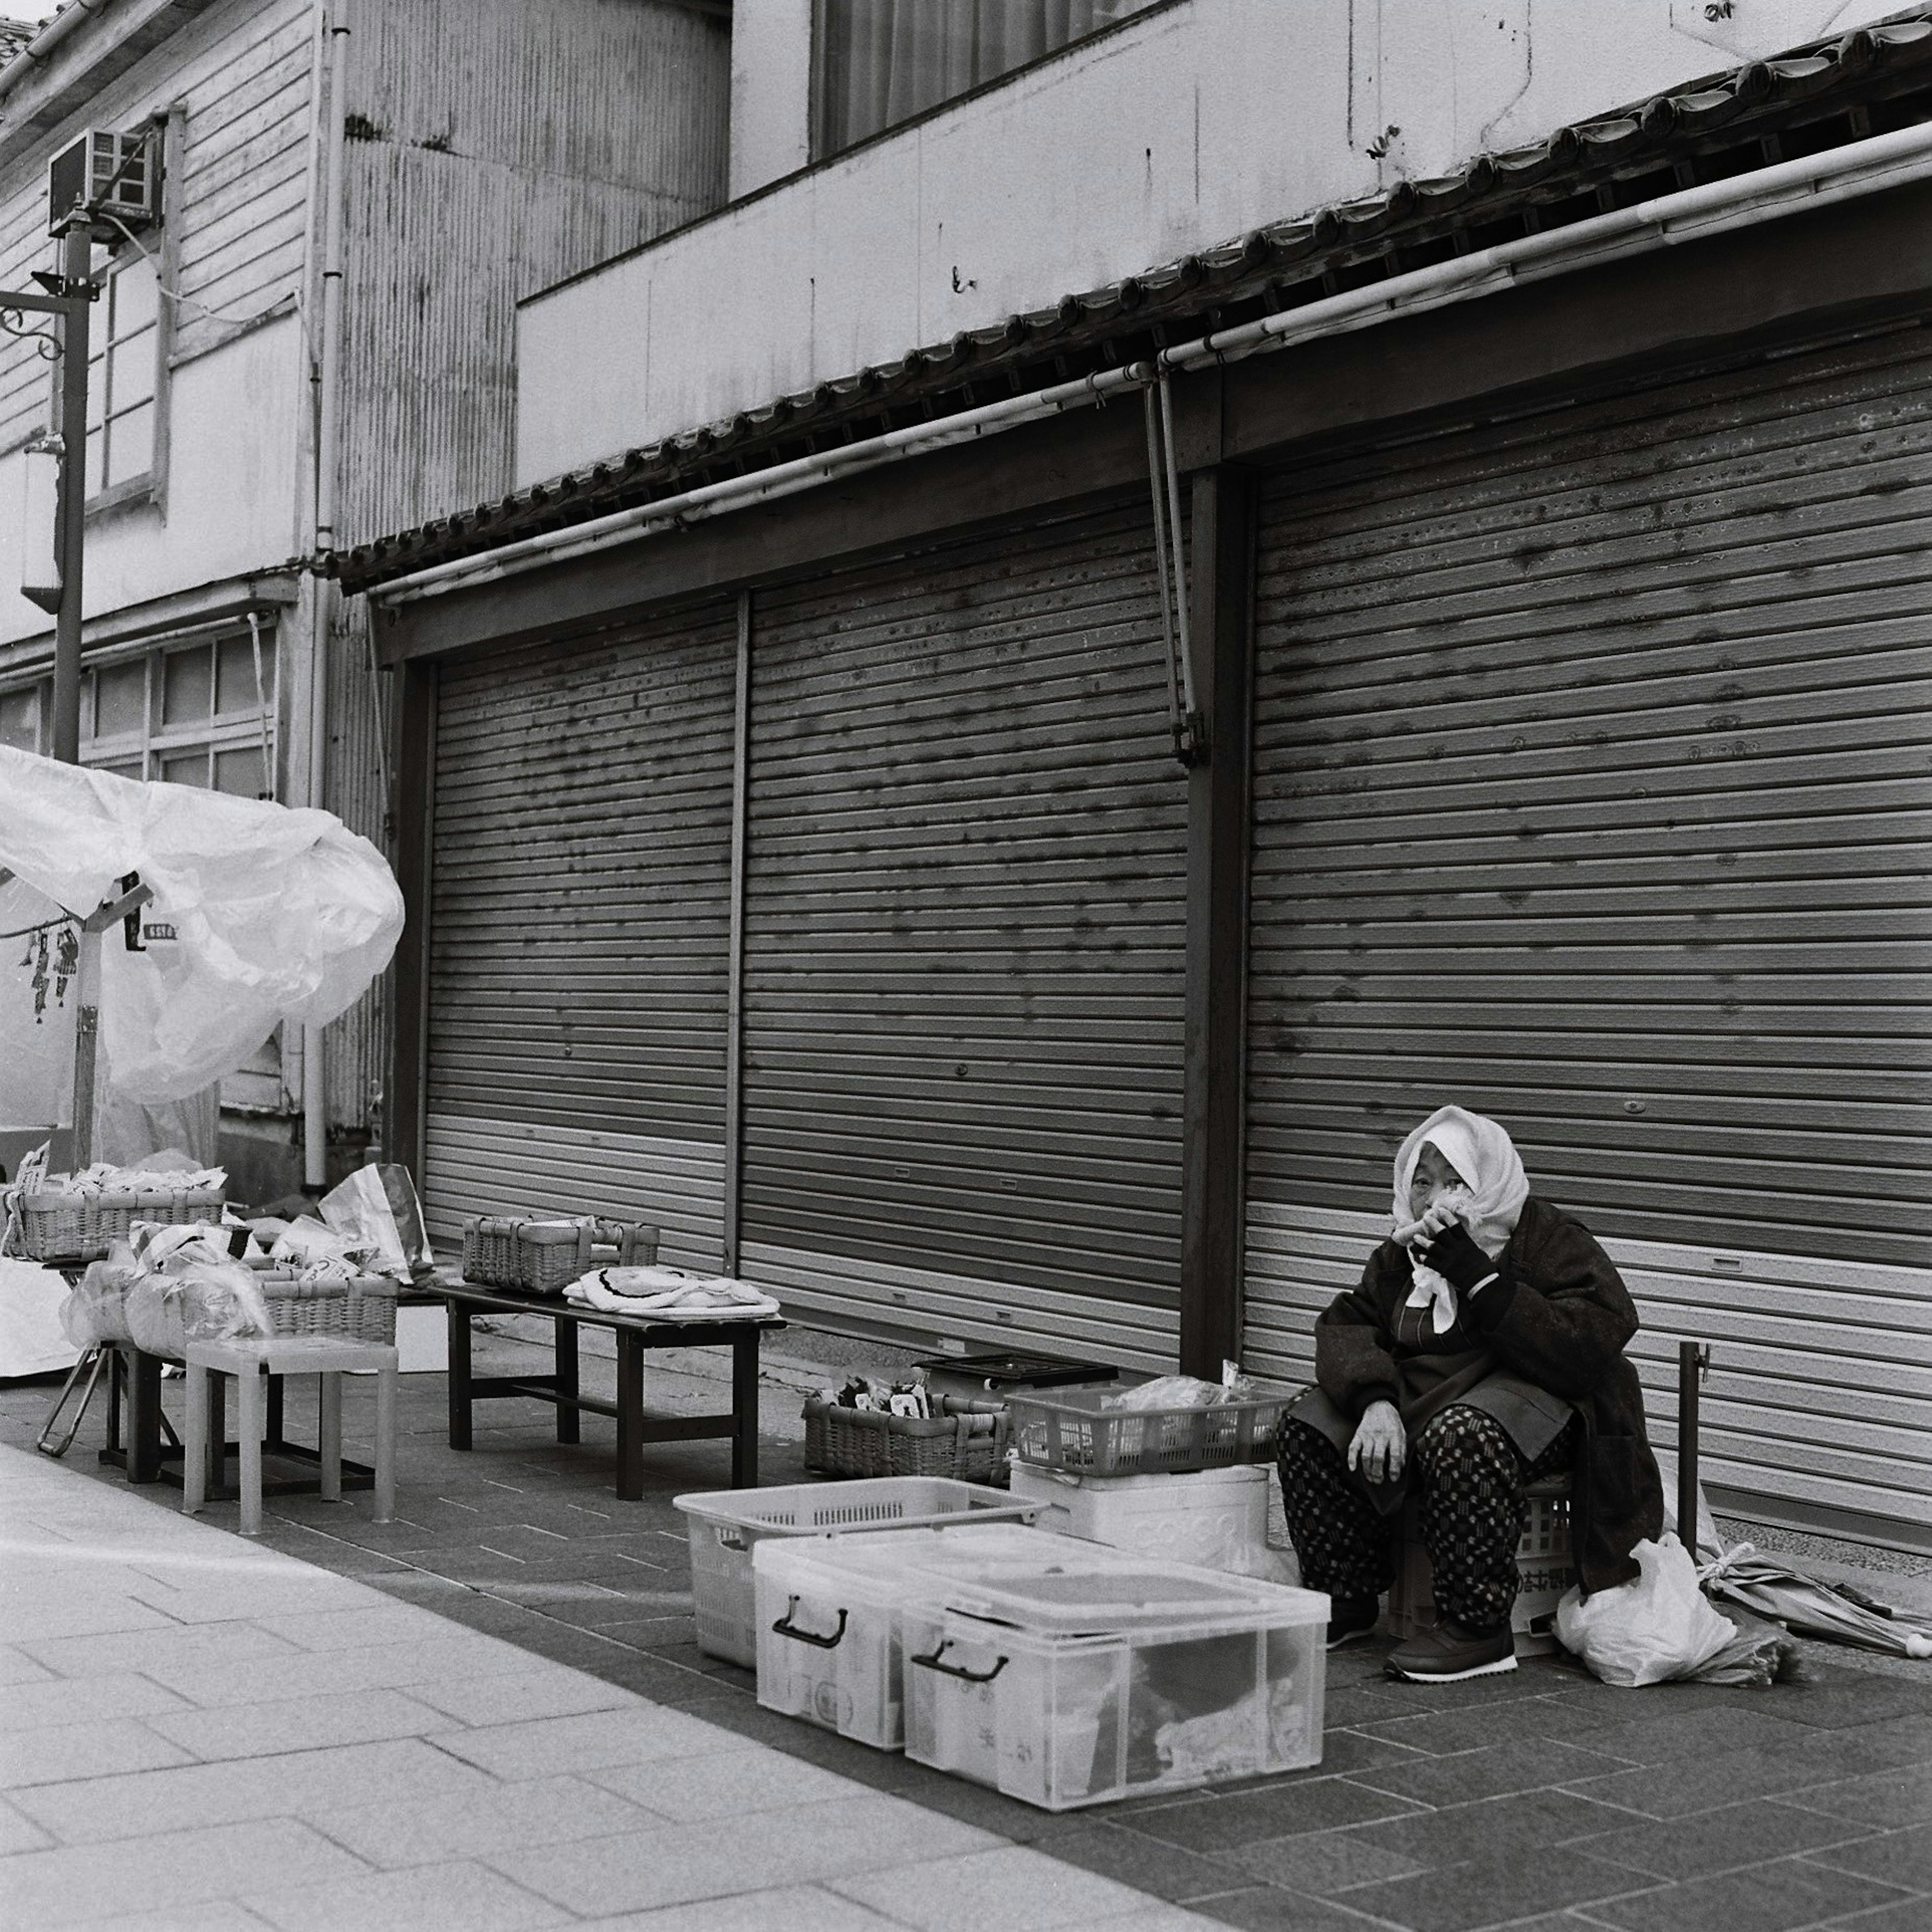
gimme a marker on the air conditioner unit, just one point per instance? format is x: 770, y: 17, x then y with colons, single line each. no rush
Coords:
x: 108, y: 172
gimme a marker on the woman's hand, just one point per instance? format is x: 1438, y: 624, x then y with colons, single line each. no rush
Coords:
x: 1380, y: 1446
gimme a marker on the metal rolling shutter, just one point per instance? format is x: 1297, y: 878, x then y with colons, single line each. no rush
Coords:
x: 963, y: 924
x: 581, y: 896
x: 1592, y: 791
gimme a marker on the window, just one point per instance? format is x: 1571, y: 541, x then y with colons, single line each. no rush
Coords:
x: 194, y: 715
x: 879, y: 62
x: 20, y: 718
x: 124, y: 374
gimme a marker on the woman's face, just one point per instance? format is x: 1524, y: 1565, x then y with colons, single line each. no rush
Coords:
x: 1433, y: 1175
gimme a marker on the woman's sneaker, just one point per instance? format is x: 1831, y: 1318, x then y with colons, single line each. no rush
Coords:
x: 1449, y: 1652
x: 1352, y: 1617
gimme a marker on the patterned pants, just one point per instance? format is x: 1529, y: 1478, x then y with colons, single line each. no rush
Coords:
x: 1469, y: 1478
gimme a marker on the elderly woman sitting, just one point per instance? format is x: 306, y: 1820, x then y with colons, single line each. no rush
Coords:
x: 1483, y: 1350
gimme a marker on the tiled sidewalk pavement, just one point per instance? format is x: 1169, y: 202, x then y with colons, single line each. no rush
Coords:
x: 200, y: 1733
x: 1540, y: 1800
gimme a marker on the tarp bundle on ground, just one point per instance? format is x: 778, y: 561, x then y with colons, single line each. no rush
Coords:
x: 261, y: 914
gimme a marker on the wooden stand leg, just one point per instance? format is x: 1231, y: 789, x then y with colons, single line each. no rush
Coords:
x: 630, y: 1415
x: 250, y: 1422
x: 459, y: 1375
x: 744, y: 1411
x: 569, y: 1423
x: 144, y: 1419
x: 195, y: 1442
x: 385, y: 1445
x: 217, y: 1434
x: 328, y: 1437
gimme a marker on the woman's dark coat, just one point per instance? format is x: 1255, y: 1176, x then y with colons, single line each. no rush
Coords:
x: 1558, y: 1316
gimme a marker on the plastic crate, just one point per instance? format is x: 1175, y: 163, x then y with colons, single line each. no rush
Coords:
x: 1070, y: 1679
x: 966, y: 1441
x: 1545, y: 1569
x: 723, y: 1525
x: 1072, y: 1430
x: 1217, y: 1518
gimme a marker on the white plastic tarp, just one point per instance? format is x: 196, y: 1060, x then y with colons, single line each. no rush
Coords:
x: 260, y: 913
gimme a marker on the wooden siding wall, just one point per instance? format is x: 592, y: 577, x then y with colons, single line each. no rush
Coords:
x: 502, y: 147
x: 238, y: 195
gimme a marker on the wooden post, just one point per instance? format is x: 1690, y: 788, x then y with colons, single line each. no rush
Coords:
x: 415, y: 765
x: 734, y: 995
x: 1221, y: 519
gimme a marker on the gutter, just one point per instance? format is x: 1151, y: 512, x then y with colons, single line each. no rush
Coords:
x: 35, y: 52
x: 1847, y: 173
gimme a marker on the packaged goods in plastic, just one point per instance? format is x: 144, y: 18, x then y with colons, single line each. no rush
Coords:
x: 206, y: 1301
x: 1217, y: 1518
x: 723, y: 1525
x: 376, y: 1211
x: 95, y: 1311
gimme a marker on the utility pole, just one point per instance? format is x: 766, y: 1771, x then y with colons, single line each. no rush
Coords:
x: 76, y: 293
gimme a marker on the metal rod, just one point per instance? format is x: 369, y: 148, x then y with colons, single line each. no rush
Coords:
x: 76, y: 267
x: 1688, y: 1362
x: 1189, y: 707
x: 1160, y: 562
x: 734, y: 1014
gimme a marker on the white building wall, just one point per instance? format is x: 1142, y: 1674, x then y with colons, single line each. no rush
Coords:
x: 1187, y: 126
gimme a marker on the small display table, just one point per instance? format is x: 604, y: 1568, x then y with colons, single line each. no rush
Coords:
x: 634, y: 1337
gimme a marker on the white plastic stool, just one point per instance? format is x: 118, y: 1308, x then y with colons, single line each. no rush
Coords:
x: 248, y: 1360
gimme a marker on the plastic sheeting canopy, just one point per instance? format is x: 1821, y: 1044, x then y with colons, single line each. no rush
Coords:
x: 261, y: 914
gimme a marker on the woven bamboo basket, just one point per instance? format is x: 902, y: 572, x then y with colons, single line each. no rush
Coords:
x: 543, y: 1256
x: 966, y: 1439
x: 58, y: 1226
x: 362, y: 1309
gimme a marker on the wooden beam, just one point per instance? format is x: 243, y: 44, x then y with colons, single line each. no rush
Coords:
x: 405, y: 1129
x: 1222, y: 516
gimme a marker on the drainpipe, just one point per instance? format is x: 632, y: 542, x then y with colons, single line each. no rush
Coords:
x: 1859, y: 169
x: 329, y: 437
x: 34, y: 55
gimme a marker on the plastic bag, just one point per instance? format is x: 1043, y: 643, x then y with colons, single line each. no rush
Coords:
x: 1169, y: 1392
x: 376, y: 1209
x: 95, y: 1310
x: 205, y: 1301
x: 1649, y: 1630
x: 260, y: 914
x: 308, y: 1242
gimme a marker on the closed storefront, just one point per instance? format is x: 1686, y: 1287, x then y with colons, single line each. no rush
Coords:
x: 963, y: 945
x: 1592, y: 791
x: 581, y: 844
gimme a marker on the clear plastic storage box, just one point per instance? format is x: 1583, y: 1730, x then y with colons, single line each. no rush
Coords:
x: 722, y: 1525
x: 1217, y: 1518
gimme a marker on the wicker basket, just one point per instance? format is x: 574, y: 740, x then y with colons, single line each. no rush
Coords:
x: 966, y: 1440
x: 361, y: 1309
x: 57, y: 1225
x: 544, y: 1256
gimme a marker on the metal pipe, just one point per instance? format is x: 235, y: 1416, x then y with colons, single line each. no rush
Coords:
x: 35, y: 52
x: 1160, y: 561
x: 1190, y: 711
x: 76, y: 270
x: 734, y: 995
x: 329, y: 433
x: 1688, y: 1363
x: 1858, y: 169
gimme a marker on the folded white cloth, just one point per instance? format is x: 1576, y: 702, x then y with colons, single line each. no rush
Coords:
x: 670, y: 1294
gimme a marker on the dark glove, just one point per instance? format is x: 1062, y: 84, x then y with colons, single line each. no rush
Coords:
x: 1455, y: 1256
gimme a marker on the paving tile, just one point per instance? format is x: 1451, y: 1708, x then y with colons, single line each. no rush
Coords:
x: 1118, y: 1852
x: 1216, y: 1824
x: 806, y: 1908
x: 167, y: 1648
x: 1261, y: 1908
x: 174, y: 1869
x: 94, y: 1810
x: 1677, y: 1790
x: 1478, y: 1726
x: 474, y: 1822
x: 1354, y: 1704
x: 502, y: 1698
x: 1010, y: 1886
x: 1523, y: 1825
x: 642, y: 1734
x: 1322, y: 1861
x: 352, y: 1630
x: 1493, y: 1889
x: 1853, y: 1697
x: 1767, y: 1898
x: 1903, y: 1857
x: 81, y: 1700
x: 1899, y: 1796
x: 207, y: 1915
x: 1733, y: 1836
x: 298, y: 1723
x: 731, y: 1784
x: 460, y: 1654
x: 54, y: 1753
x: 679, y: 1863
x: 1904, y: 1915
x: 19, y: 1833
x: 457, y: 1893
x: 1696, y: 1734
x: 1529, y: 1765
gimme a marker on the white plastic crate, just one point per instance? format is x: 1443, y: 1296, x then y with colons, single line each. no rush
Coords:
x: 1217, y: 1518
x: 826, y: 1615
x: 722, y: 1525
x: 1071, y: 1682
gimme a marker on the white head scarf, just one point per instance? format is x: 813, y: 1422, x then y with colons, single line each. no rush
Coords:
x: 1485, y: 1158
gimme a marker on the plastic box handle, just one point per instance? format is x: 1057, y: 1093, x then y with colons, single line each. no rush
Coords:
x: 935, y: 1661
x: 784, y: 1627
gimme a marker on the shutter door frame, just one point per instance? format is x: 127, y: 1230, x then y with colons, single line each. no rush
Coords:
x: 1760, y: 512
